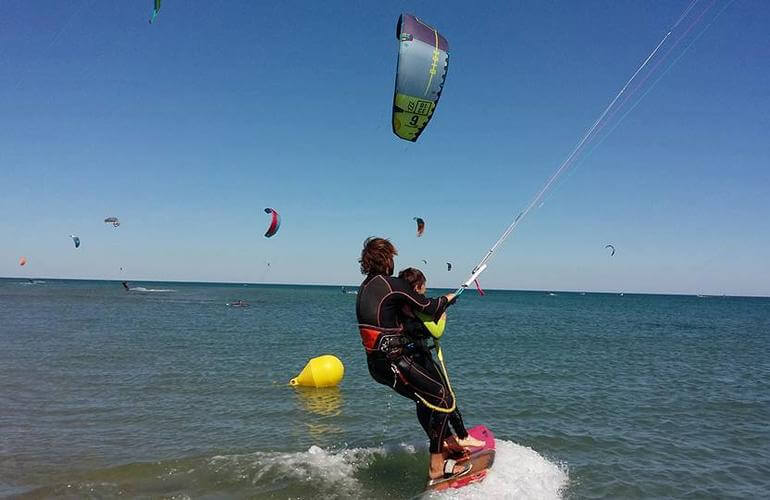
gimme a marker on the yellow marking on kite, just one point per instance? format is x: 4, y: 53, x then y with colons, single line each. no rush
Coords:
x: 433, y: 66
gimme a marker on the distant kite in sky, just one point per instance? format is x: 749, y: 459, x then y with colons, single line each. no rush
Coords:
x: 424, y: 261
x: 423, y: 59
x: 448, y: 266
x: 23, y: 261
x: 420, y: 226
x: 155, y: 10
x: 112, y: 220
x: 75, y: 240
x: 611, y: 248
x: 275, y: 222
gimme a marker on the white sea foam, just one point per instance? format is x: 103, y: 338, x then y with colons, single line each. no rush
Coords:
x: 518, y: 472
x: 336, y: 469
x: 143, y: 289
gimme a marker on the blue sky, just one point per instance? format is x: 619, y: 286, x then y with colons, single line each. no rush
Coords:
x: 188, y: 128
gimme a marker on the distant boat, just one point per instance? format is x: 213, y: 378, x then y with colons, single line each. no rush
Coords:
x: 621, y: 294
x: 349, y: 292
x: 551, y: 294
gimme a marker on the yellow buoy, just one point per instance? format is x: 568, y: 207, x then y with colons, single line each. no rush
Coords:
x: 323, y: 371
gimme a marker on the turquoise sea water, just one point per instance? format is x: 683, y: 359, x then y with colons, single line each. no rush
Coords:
x: 164, y: 391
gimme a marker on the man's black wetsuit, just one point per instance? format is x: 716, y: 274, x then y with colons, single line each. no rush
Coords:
x: 392, y: 357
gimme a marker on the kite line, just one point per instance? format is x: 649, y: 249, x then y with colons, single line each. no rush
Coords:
x: 592, y: 133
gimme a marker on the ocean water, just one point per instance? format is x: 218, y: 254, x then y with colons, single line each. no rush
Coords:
x: 166, y: 392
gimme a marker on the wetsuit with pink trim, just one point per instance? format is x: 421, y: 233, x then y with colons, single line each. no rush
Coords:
x: 392, y: 357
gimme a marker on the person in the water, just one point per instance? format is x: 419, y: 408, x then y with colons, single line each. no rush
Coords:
x: 419, y: 334
x: 125, y: 285
x: 381, y: 298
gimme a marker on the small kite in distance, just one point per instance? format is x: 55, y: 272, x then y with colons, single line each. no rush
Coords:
x: 275, y: 222
x: 112, y: 220
x: 420, y: 226
x: 75, y: 240
x: 23, y: 261
x: 611, y: 248
x: 155, y: 10
x: 448, y: 266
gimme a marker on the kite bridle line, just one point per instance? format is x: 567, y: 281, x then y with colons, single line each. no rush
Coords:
x: 482, y: 265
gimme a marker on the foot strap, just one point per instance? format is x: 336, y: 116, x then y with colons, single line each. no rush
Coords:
x: 449, y: 467
x: 449, y: 473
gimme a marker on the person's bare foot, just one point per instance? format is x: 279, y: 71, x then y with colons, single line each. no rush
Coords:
x: 471, y: 442
x: 439, y: 473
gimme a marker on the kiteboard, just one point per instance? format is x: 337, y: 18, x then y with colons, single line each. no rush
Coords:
x: 481, y: 459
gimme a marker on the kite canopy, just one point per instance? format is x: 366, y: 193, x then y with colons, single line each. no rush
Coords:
x: 420, y: 226
x: 155, y: 10
x: 112, y: 220
x: 23, y: 261
x: 448, y: 266
x: 275, y: 223
x: 75, y: 240
x: 611, y: 248
x: 423, y: 59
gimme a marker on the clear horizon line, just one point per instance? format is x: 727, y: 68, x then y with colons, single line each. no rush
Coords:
x: 538, y: 290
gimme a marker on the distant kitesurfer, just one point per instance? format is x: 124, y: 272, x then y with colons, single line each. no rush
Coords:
x: 125, y: 285
x: 381, y: 299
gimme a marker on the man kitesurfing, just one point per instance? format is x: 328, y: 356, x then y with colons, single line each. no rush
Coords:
x: 393, y: 359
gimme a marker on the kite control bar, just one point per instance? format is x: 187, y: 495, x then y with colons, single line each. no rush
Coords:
x: 474, y: 276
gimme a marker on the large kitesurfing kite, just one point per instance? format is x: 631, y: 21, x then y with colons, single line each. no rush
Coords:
x: 423, y: 59
x: 112, y: 220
